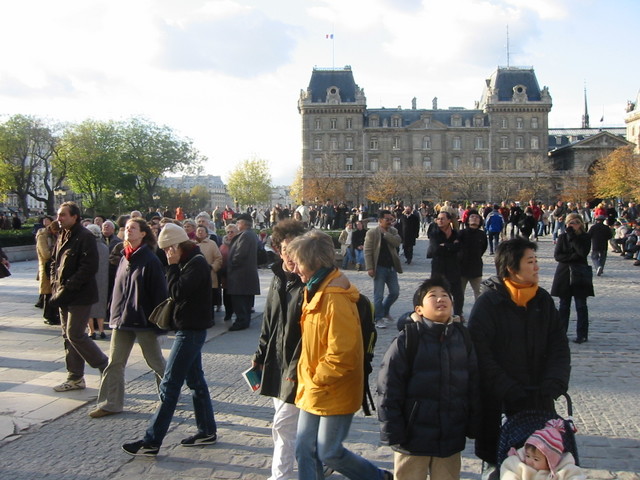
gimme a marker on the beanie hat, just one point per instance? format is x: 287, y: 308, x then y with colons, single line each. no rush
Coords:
x: 549, y: 442
x: 95, y: 229
x: 171, y: 234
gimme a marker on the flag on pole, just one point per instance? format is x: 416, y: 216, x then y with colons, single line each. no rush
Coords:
x: 329, y: 36
x: 602, y: 119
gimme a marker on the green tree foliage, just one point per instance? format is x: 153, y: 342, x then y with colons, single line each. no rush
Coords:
x: 92, y: 153
x: 150, y: 151
x: 28, y: 154
x: 250, y: 183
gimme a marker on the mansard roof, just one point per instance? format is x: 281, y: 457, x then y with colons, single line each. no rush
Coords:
x: 505, y: 78
x: 322, y: 79
x: 562, y: 137
x: 414, y: 115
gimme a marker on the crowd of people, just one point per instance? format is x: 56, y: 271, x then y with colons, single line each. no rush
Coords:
x: 442, y: 380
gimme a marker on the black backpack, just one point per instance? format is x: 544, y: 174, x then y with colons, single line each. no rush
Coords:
x: 369, y: 337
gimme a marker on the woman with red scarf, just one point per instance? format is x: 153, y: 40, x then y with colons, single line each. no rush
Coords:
x: 140, y: 285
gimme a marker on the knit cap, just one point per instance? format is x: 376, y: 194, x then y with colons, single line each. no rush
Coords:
x: 549, y: 442
x: 171, y: 234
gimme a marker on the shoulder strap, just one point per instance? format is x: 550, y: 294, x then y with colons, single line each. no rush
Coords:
x: 411, y: 342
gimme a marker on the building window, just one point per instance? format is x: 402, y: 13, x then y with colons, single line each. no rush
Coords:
x: 534, y: 122
x: 373, y: 143
x: 479, y: 143
x: 395, y: 122
x: 373, y: 166
x: 504, y: 123
x: 427, y: 122
x: 396, y: 164
x: 426, y: 143
x: 478, y: 163
x: 519, y: 123
x: 519, y: 142
x: 374, y: 122
x: 456, y: 163
x: 396, y: 143
x: 426, y: 163
x: 503, y: 163
x: 348, y: 143
x: 504, y: 143
x: 477, y: 122
x: 333, y: 124
x: 318, y: 144
x: 318, y: 161
x: 318, y: 124
x: 519, y: 163
x: 535, y: 144
x: 334, y: 143
x: 457, y: 143
x: 456, y: 121
x: 348, y: 164
x: 349, y: 123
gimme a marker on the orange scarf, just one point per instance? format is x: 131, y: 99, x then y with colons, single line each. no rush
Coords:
x: 520, y: 294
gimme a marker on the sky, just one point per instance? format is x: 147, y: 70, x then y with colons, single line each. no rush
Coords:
x: 227, y: 74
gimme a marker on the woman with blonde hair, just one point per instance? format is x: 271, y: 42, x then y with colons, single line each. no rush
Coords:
x: 211, y: 252
x: 573, y: 277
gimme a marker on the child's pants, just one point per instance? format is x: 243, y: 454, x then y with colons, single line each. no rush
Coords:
x: 416, y: 467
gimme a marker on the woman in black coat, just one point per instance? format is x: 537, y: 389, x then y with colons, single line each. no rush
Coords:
x: 571, y: 252
x: 189, y: 284
x: 522, y: 348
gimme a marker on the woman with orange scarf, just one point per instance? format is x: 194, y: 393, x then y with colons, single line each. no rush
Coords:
x: 521, y: 343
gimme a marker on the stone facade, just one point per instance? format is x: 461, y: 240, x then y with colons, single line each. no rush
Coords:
x: 507, y: 127
x: 632, y: 121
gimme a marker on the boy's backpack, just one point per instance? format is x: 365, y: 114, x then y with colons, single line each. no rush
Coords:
x: 411, y: 338
x: 369, y: 337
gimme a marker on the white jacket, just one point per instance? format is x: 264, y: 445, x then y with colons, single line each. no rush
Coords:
x: 514, y: 468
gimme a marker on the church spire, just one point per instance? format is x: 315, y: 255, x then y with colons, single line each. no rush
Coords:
x: 585, y: 117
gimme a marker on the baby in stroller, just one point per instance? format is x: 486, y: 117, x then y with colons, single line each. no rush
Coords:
x: 542, y: 457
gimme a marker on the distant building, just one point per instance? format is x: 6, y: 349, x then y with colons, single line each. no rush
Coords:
x: 497, y: 141
x: 213, y: 183
x: 633, y: 122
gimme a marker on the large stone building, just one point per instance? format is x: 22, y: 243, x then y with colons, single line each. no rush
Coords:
x: 632, y: 121
x: 498, y: 150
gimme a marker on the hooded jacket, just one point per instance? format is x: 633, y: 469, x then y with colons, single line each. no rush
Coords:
x: 428, y: 404
x: 330, y: 369
x: 571, y: 249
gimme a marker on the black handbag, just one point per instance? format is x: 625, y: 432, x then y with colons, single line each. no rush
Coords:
x: 162, y: 315
x: 580, y: 275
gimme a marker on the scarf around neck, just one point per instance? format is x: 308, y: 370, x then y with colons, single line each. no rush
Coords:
x: 317, y: 278
x: 519, y: 293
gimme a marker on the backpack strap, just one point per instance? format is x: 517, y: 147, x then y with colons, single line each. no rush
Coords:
x: 411, y: 338
x: 465, y: 335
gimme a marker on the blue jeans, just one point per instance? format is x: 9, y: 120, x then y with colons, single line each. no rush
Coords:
x: 389, y: 277
x: 348, y: 257
x: 184, y: 363
x: 559, y: 227
x: 359, y: 257
x: 494, y: 240
x: 319, y: 440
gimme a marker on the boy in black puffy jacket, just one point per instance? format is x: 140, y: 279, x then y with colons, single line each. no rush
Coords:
x: 428, y: 389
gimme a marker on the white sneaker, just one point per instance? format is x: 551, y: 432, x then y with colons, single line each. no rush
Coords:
x: 380, y: 324
x: 71, y: 385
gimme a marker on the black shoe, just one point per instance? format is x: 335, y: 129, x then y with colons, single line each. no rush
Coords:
x: 52, y: 322
x: 39, y: 305
x: 199, y: 439
x: 235, y: 327
x: 226, y: 319
x: 140, y: 449
x: 580, y: 340
x: 92, y: 336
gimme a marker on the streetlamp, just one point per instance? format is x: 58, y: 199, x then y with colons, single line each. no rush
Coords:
x: 60, y: 193
x: 155, y: 197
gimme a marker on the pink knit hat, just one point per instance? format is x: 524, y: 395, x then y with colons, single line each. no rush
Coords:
x: 549, y: 442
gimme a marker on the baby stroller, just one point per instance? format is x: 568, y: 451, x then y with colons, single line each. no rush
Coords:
x: 518, y: 427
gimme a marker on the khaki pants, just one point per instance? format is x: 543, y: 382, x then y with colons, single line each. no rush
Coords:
x: 416, y: 467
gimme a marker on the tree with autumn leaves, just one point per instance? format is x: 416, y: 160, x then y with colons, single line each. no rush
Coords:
x: 617, y: 175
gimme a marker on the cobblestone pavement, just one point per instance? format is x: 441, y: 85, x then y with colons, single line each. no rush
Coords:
x: 48, y: 435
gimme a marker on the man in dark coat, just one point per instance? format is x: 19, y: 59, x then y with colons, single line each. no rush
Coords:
x: 242, y: 272
x: 74, y: 289
x: 408, y: 226
x: 473, y: 244
x: 600, y: 236
x: 443, y: 252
